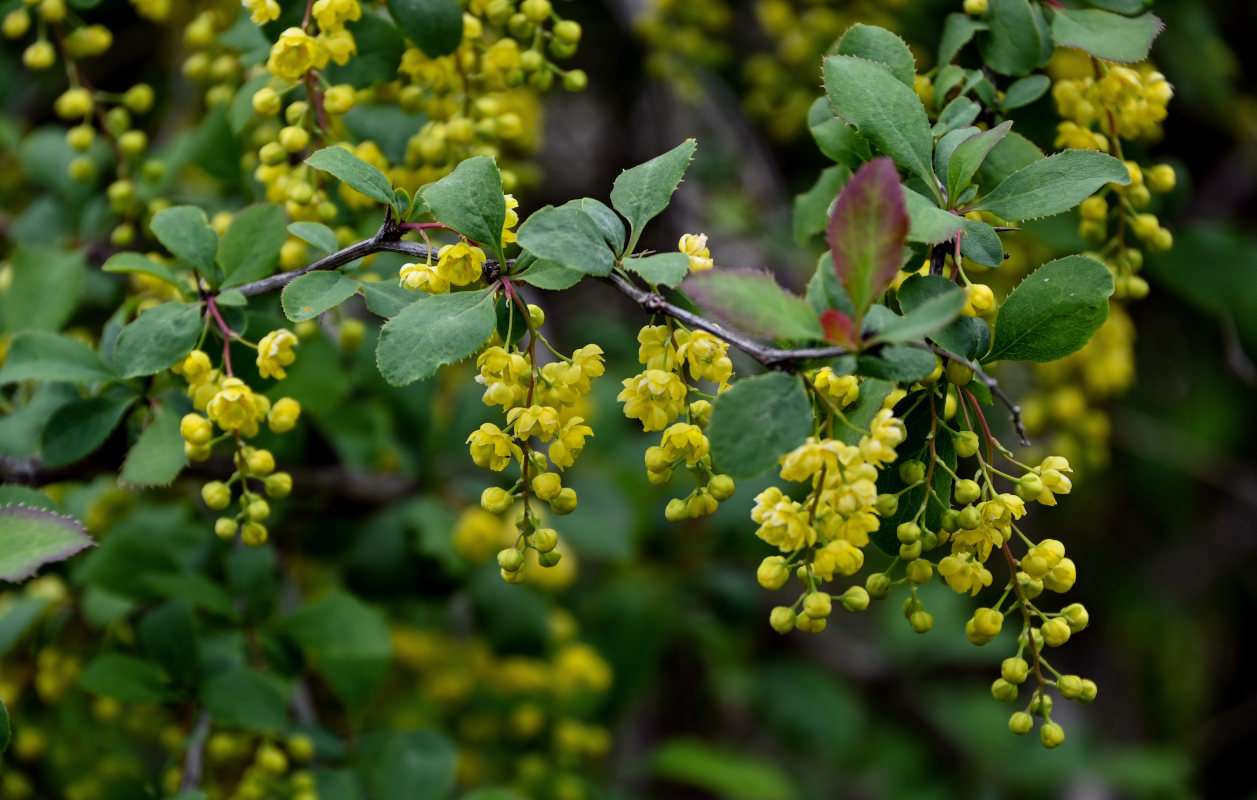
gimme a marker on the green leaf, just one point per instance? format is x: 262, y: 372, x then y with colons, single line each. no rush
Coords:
x: 959, y: 113
x: 380, y: 49
x: 1053, y: 184
x: 17, y: 619
x: 569, y: 237
x: 32, y: 537
x: 435, y: 26
x: 736, y: 775
x: 962, y: 335
x: 607, y: 220
x: 1014, y: 42
x: 243, y: 698
x: 1106, y: 35
x: 981, y: 243
x: 644, y: 191
x: 925, y: 318
x: 824, y: 291
x: 197, y: 590
x: 124, y: 678
x: 250, y: 248
x: 187, y: 234
x: 958, y: 30
x: 140, y: 264
x: 548, y: 275
x: 898, y: 363
x: 80, y: 427
x: 315, y: 292
x: 886, y: 112
x: 1012, y: 153
x: 417, y: 765
x: 968, y: 156
x: 864, y: 409
x: 168, y: 635
x: 929, y: 223
x: 752, y: 301
x: 1127, y: 7
x: 840, y: 141
x: 811, y: 209
x: 867, y: 231
x: 12, y: 494
x: 387, y: 298
x: 353, y: 172
x: 758, y: 420
x: 40, y: 356
x: 317, y: 234
x: 157, y: 456
x: 5, y: 731
x: 470, y: 201
x: 1025, y: 91
x: 432, y: 331
x: 1053, y: 312
x: 44, y: 289
x: 661, y: 269
x: 157, y: 339
x: 878, y: 44
x: 347, y: 641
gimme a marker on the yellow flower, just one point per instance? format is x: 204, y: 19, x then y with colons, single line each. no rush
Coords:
x: 812, y: 456
x: 340, y: 45
x: 499, y: 61
x: 841, y: 390
x: 275, y: 353
x: 579, y: 668
x: 683, y: 440
x: 977, y: 543
x: 535, y: 420
x: 492, y: 447
x: 657, y: 346
x: 586, y: 364
x: 503, y: 375
x: 838, y: 556
x: 263, y: 11
x: 478, y: 535
x: 294, y: 54
x: 333, y: 14
x: 782, y: 522
x: 1052, y: 472
x: 236, y: 408
x: 283, y: 415
x: 707, y: 357
x: 460, y: 264
x: 424, y: 277
x: 885, y: 433
x: 655, y: 397
x: 999, y: 512
x: 963, y: 574
x: 695, y: 246
x: 195, y: 366
x: 569, y: 443
x: 512, y: 219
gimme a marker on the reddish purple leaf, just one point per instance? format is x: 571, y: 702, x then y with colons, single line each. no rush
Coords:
x: 867, y: 231
x: 839, y: 328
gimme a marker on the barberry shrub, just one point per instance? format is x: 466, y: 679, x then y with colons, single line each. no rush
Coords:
x: 276, y: 324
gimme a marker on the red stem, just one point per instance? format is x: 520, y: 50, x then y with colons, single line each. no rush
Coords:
x: 227, y: 334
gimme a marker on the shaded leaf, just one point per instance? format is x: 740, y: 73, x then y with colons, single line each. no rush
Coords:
x: 315, y: 292
x: 1053, y: 312
x: 353, y: 172
x: 250, y: 248
x: 78, y: 428
x: 968, y: 156
x: 981, y: 244
x: 126, y: 679
x: 168, y: 635
x: 43, y: 289
x: 642, y: 192
x: 929, y: 223
x: 568, y: 237
x: 417, y: 765
x: 898, y: 363
x: 317, y: 234
x: 1053, y: 184
x: 811, y: 209
x: 758, y: 420
x: 1106, y: 35
x: 878, y: 44
x: 753, y: 302
x: 470, y: 201
x: 137, y: 263
x: 432, y: 331
x: 958, y: 30
x: 187, y: 234
x: 157, y: 456
x: 435, y: 26
x: 32, y: 537
x: 607, y: 220
x: 1014, y: 43
x: 243, y: 698
x: 924, y: 318
x: 1025, y: 91
x: 736, y: 775
x: 40, y: 356
x: 157, y: 339
x: 347, y: 641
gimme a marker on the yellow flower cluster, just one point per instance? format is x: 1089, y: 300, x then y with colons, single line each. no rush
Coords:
x: 1124, y: 102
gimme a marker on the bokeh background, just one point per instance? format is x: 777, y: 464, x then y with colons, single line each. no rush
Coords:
x: 699, y: 698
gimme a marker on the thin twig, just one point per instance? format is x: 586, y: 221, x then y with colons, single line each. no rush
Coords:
x: 194, y: 761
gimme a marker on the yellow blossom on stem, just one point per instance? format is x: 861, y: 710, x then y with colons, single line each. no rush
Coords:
x: 424, y: 277
x: 275, y: 352
x: 262, y: 11
x: 695, y: 246
x: 535, y: 420
x: 654, y: 397
x: 683, y: 440
x: 460, y: 264
x: 492, y: 447
x: 333, y: 14
x: 569, y: 442
x: 294, y: 54
x: 782, y: 522
x: 839, y: 556
x: 707, y: 357
x: 964, y: 574
x: 236, y: 408
x: 840, y: 390
x: 504, y: 377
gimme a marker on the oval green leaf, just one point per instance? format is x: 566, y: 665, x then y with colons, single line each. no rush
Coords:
x: 1053, y: 312
x: 157, y: 339
x: 757, y: 421
x: 432, y: 331
x: 435, y: 26
x: 1053, y: 184
x: 315, y: 292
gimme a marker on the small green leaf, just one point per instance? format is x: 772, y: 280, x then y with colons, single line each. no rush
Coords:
x: 317, y: 234
x: 435, y: 26
x: 250, y: 248
x: 1106, y: 35
x: 929, y: 316
x: 140, y: 264
x: 40, y: 356
x: 867, y: 231
x: 641, y: 193
x: 43, y: 290
x: 959, y: 113
x: 607, y: 220
x: 1012, y: 153
x: 387, y: 298
x: 958, y: 30
x: 231, y: 298
x: 1053, y: 184
x: 811, y: 209
x: 752, y: 301
x: 470, y: 201
x: 187, y: 234
x: 886, y: 112
x: 353, y: 172
x: 432, y: 331
x: 243, y: 698
x: 13, y: 494
x: 721, y: 773
x: 968, y: 156
x: 32, y: 537
x: 157, y: 339
x: 124, y: 678
x: 824, y: 292
x: 1025, y: 91
x: 962, y: 336
x: 168, y: 635
x: 315, y: 292
x: 548, y: 275
x: 661, y: 269
x: 347, y: 641
x: 78, y: 428
x: 1053, y: 312
x: 569, y: 237
x: 199, y: 591
x: 981, y: 244
x: 157, y: 456
x: 758, y: 420
x: 1127, y: 8
x: 878, y: 44
x: 929, y: 223
x: 1014, y: 42
x: 416, y: 765
x: 840, y: 141
x: 898, y: 363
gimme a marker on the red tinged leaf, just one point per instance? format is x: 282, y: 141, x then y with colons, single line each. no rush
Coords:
x: 839, y: 328
x: 867, y: 230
